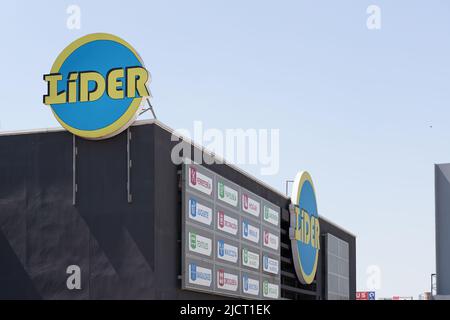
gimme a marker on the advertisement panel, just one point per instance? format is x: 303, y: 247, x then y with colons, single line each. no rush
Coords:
x: 227, y: 222
x: 227, y: 250
x: 231, y: 237
x: 200, y: 181
x: 270, y: 290
x: 365, y: 295
x: 227, y: 194
x: 271, y: 265
x: 271, y: 240
x: 227, y: 279
x: 271, y: 215
x: 199, y: 275
x: 199, y: 211
x: 250, y: 285
x: 250, y: 258
x: 250, y: 231
x: 250, y: 204
x: 200, y: 244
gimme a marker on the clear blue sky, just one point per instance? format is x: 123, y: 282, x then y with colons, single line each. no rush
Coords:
x: 354, y: 106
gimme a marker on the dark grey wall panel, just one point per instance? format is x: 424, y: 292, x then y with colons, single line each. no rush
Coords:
x: 121, y: 233
x: 39, y: 222
x: 14, y: 280
x: 442, y: 193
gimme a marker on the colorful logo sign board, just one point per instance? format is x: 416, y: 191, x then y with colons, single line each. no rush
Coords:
x: 250, y: 205
x: 250, y: 258
x: 227, y: 251
x: 270, y: 290
x: 96, y: 86
x: 227, y: 280
x: 271, y: 216
x: 200, y: 211
x: 227, y: 222
x: 271, y: 265
x: 365, y: 295
x: 304, y: 230
x: 250, y: 285
x: 250, y: 231
x: 200, y: 181
x: 271, y: 240
x: 200, y: 276
x: 227, y: 193
x: 231, y: 237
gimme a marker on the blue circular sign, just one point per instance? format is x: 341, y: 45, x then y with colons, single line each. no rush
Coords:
x: 304, y: 228
x: 96, y: 86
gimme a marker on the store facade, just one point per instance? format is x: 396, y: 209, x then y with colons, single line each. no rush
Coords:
x: 83, y: 219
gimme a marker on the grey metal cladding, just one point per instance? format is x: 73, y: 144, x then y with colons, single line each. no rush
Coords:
x: 442, y: 194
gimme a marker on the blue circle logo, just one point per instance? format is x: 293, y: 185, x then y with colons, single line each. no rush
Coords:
x: 304, y: 229
x: 96, y: 86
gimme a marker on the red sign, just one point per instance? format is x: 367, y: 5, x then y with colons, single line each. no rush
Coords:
x: 221, y: 219
x: 193, y: 176
x: 362, y: 295
x: 221, y: 278
x: 365, y: 295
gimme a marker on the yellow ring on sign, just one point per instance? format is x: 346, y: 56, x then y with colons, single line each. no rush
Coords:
x: 129, y: 116
x: 306, y: 177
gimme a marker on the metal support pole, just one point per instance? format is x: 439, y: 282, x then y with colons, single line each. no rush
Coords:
x: 74, y: 170
x: 151, y: 109
x: 129, y: 165
x: 287, y: 185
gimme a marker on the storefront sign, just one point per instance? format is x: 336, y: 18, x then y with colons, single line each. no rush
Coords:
x: 227, y: 281
x: 250, y: 286
x: 250, y: 259
x: 227, y: 194
x: 227, y: 251
x: 271, y: 216
x: 199, y: 275
x: 250, y: 205
x: 96, y: 86
x: 366, y: 295
x: 270, y: 290
x: 200, y: 244
x: 304, y: 230
x: 199, y: 181
x: 200, y: 213
x: 250, y: 232
x: 271, y: 265
x: 227, y: 223
x: 271, y: 240
x: 225, y: 233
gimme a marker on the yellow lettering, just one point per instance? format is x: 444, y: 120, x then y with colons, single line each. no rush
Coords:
x: 79, y: 83
x: 317, y: 232
x: 136, y: 79
x: 72, y: 87
x: 114, y: 82
x: 53, y: 96
x: 307, y: 224
x: 85, y: 78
